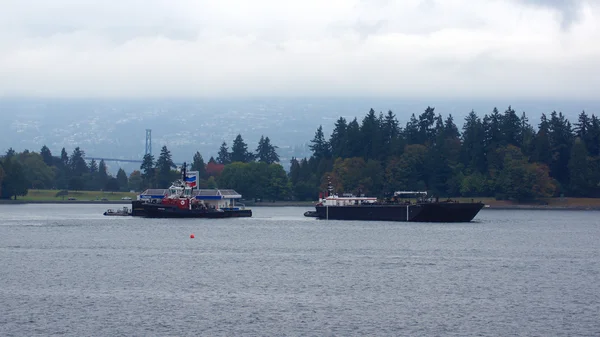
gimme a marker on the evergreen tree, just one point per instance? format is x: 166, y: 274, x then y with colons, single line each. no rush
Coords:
x: 77, y: 165
x: 239, y: 151
x: 147, y: 169
x: 320, y: 147
x: 527, y: 134
x: 198, y: 165
x: 390, y: 132
x: 473, y: 151
x: 593, y: 143
x: 62, y: 170
x: 426, y: 126
x: 102, y: 174
x: 93, y: 167
x: 122, y: 180
x: 47, y: 155
x: 265, y: 152
x: 10, y: 153
x: 561, y: 140
x: 411, y: 131
x: 580, y: 183
x: 64, y: 158
x: 510, y: 128
x: 493, y: 140
x: 92, y: 182
x: 582, y: 126
x: 353, y: 145
x: 294, y: 171
x: 164, y: 164
x: 450, y: 129
x: 223, y: 157
x: 371, y: 137
x: 541, y: 143
x: 338, y: 139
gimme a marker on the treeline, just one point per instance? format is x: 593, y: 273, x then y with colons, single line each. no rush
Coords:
x: 26, y: 170
x: 500, y: 155
x: 254, y: 174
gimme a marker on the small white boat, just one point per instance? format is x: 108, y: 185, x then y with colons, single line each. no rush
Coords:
x: 120, y: 212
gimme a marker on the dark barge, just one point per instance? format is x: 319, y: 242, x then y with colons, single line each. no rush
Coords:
x: 400, y: 207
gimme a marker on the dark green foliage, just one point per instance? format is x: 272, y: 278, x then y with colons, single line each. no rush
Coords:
x: 147, y: 171
x: 38, y: 174
x: 239, y: 151
x: 266, y: 152
x: 102, y: 177
x: 164, y: 164
x: 510, y: 126
x: 392, y: 142
x: 561, y: 140
x: 223, y: 157
x: 198, y: 165
x: 14, y: 182
x: 77, y: 165
x: 320, y: 147
x: 371, y: 137
x: 136, y: 181
x: 426, y: 130
x: 339, y: 139
x: 431, y: 154
x: 473, y: 148
x: 112, y: 185
x: 580, y: 170
x: 122, y: 180
x: 256, y: 180
x: 520, y: 180
x: 93, y: 167
x: 47, y: 156
x: 353, y: 145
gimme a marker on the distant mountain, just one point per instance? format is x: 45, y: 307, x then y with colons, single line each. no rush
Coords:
x: 116, y: 128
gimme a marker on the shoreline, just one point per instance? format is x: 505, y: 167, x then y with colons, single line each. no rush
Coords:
x: 489, y: 206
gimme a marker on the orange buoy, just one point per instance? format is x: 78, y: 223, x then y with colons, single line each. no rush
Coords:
x: 192, y: 236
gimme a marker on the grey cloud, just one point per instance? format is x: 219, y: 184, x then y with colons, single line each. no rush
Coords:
x: 570, y: 10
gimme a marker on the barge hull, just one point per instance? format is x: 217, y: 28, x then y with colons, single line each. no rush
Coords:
x: 159, y: 211
x: 434, y: 212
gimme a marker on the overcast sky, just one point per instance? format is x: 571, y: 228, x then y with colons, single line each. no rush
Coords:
x: 209, y: 48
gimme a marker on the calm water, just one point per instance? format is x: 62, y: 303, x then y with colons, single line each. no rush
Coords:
x: 66, y: 269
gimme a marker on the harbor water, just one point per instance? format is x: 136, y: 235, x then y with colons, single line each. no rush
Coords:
x: 69, y: 270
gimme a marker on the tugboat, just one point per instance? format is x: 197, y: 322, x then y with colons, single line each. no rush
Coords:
x: 180, y: 201
x: 397, y: 208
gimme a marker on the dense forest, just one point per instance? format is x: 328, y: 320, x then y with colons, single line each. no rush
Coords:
x: 500, y: 155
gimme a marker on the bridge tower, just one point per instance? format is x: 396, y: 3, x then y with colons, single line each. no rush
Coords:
x: 148, y: 142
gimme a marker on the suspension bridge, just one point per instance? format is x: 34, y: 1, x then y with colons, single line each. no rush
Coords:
x: 120, y: 160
